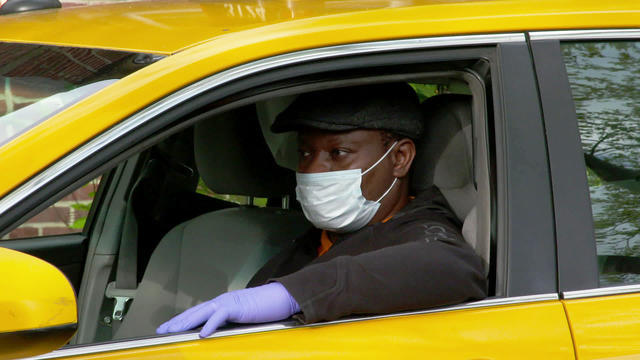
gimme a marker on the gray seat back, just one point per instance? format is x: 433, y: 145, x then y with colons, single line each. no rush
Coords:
x: 445, y: 159
x: 218, y: 251
x: 233, y: 157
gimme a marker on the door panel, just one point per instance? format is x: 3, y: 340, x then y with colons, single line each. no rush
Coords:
x: 526, y: 331
x: 605, y: 327
x: 602, y: 75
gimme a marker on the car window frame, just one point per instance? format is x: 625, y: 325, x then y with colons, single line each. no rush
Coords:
x: 524, y: 218
x: 577, y: 258
x: 138, y: 129
x: 577, y: 268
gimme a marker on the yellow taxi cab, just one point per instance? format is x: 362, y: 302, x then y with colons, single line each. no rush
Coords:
x: 136, y: 158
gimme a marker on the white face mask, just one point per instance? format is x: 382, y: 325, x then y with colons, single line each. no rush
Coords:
x: 333, y: 200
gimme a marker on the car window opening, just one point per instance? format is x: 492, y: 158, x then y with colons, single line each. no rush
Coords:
x: 193, y: 194
x: 176, y: 190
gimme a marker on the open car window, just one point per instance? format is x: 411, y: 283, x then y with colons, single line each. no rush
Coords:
x: 183, y: 186
x: 164, y: 189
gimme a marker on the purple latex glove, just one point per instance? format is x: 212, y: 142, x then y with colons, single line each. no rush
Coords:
x: 264, y: 303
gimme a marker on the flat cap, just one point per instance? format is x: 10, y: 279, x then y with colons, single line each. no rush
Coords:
x: 392, y: 106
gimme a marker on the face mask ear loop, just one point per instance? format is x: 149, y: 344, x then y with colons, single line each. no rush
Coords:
x: 389, y: 189
x: 382, y: 158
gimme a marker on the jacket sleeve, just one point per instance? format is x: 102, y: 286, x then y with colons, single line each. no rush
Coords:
x: 408, y: 276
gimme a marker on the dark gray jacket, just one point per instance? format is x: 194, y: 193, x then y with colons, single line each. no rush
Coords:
x: 418, y: 259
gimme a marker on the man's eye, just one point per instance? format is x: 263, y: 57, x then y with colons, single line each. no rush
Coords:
x: 338, y: 152
x: 303, y: 153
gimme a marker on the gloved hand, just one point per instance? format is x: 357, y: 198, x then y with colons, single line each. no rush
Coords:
x: 264, y: 303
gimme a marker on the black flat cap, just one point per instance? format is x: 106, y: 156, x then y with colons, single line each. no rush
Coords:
x: 392, y: 106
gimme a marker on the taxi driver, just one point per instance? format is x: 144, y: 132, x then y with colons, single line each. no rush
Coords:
x: 376, y: 248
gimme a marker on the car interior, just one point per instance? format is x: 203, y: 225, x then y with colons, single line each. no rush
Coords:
x: 199, y: 212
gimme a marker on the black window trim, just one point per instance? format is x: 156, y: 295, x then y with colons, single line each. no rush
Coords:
x: 575, y: 280
x: 525, y: 214
x: 576, y: 247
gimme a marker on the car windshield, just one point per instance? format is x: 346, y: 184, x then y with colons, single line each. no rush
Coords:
x: 38, y: 81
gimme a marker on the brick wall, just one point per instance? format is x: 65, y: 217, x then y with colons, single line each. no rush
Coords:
x: 30, y: 72
x: 63, y: 217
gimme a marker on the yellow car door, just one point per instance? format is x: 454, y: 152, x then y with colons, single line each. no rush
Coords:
x: 523, y: 198
x: 523, y: 317
x: 523, y: 328
x: 588, y: 82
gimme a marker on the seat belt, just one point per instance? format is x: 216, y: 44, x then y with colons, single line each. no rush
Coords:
x: 124, y: 288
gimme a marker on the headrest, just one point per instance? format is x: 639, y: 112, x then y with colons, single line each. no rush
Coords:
x: 233, y: 158
x: 444, y: 152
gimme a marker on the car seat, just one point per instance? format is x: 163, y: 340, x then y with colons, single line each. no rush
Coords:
x: 444, y: 158
x: 221, y: 250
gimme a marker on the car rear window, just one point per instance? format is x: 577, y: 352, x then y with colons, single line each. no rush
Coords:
x: 606, y: 91
x: 38, y: 81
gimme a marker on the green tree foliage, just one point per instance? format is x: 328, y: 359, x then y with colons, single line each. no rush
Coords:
x: 84, y: 207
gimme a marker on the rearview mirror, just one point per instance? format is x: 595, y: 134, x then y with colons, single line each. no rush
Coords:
x: 37, y: 306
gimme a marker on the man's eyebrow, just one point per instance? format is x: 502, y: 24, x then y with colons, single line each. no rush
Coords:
x: 345, y: 143
x: 354, y: 142
x: 348, y: 139
x: 336, y: 140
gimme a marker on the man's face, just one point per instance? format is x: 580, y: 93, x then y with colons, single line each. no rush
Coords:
x: 322, y: 151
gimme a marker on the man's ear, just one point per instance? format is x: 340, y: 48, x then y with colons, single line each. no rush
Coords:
x: 403, y: 156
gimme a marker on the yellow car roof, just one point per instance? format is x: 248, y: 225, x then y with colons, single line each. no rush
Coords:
x: 165, y: 27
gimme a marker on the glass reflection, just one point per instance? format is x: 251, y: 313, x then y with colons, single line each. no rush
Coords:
x: 606, y: 90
